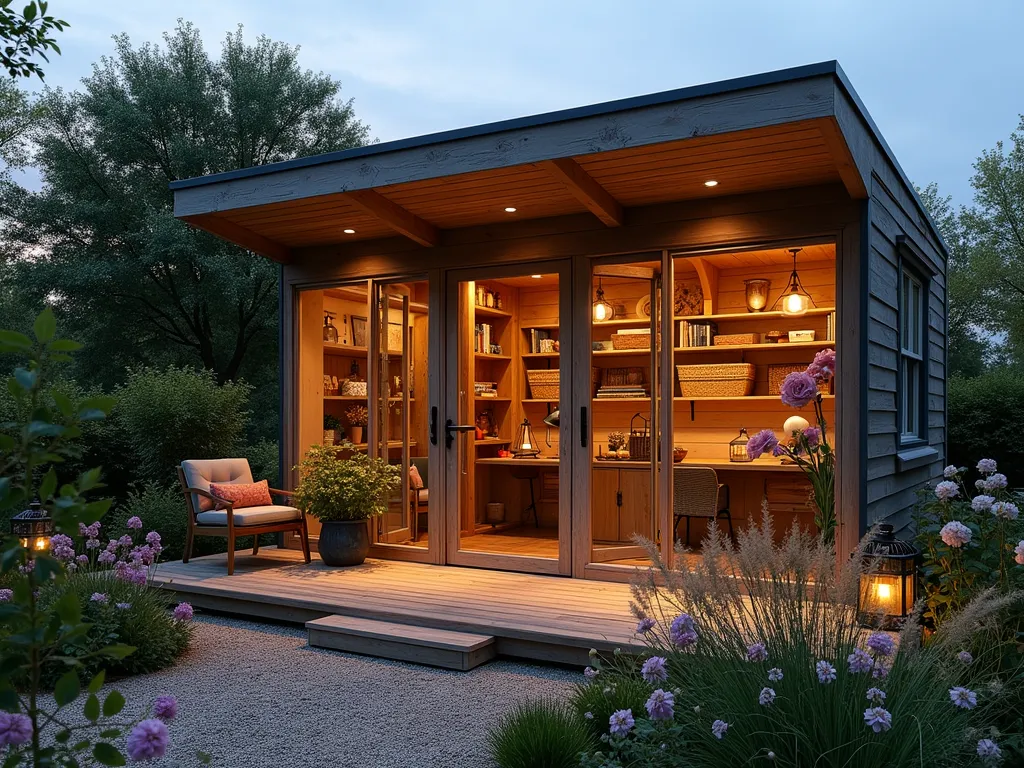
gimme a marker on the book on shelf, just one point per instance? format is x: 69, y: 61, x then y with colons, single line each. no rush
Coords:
x: 485, y: 389
x: 830, y: 326
x: 536, y: 336
x: 697, y: 333
x: 482, y: 337
x: 613, y: 392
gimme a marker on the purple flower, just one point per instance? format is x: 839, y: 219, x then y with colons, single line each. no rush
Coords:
x: 813, y: 436
x: 767, y: 697
x: 125, y: 542
x: 882, y: 644
x: 15, y: 729
x: 148, y: 740
x: 877, y: 719
x: 757, y: 652
x: 183, y: 612
x: 987, y: 466
x: 165, y: 708
x: 860, y: 662
x: 718, y: 728
x: 153, y: 539
x: 881, y: 670
x: 590, y: 673
x: 989, y: 751
x: 92, y: 544
x: 82, y: 560
x: 823, y: 367
x: 950, y: 472
x: 621, y: 722
x: 963, y: 697
x: 965, y: 657
x: 1018, y: 552
x: 955, y: 534
x: 62, y: 547
x: 99, y: 597
x: 106, y: 557
x: 134, y: 522
x: 798, y: 389
x: 982, y: 503
x: 89, y: 531
x: 947, y: 490
x: 876, y: 695
x: 774, y: 675
x: 682, y: 631
x: 781, y: 449
x: 124, y: 606
x: 1005, y: 510
x: 991, y: 483
x: 826, y: 672
x: 6, y: 595
x: 654, y: 670
x: 588, y: 715
x: 645, y: 625
x: 661, y: 705
x: 761, y: 443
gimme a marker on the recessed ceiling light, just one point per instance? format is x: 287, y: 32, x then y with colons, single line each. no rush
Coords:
x: 350, y: 231
x: 710, y: 183
x: 510, y: 209
x: 536, y: 277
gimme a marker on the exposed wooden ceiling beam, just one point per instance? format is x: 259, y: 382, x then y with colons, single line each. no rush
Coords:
x: 586, y: 190
x: 395, y: 216
x: 239, y: 235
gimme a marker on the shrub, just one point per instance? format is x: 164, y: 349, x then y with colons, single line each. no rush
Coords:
x: 986, y: 418
x: 606, y: 694
x: 540, y: 734
x: 265, y: 462
x: 179, y: 413
x: 355, y: 488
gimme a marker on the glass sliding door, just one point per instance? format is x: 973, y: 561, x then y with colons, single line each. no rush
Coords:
x: 505, y: 435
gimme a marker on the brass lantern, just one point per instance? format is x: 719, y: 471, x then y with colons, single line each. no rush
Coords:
x: 603, y: 311
x: 525, y: 445
x: 887, y: 587
x: 738, y: 447
x: 33, y: 527
x: 757, y: 293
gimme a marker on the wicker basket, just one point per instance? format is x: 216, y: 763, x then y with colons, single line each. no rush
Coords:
x: 777, y: 374
x: 725, y: 380
x: 639, y: 439
x: 543, y: 383
x: 729, y: 339
x: 622, y: 341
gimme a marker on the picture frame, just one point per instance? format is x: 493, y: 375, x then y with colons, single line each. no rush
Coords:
x: 358, y: 331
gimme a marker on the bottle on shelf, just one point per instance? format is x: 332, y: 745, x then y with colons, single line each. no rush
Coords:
x: 330, y: 331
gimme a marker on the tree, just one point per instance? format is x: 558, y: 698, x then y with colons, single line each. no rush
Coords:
x: 100, y: 240
x: 26, y: 35
x: 17, y: 116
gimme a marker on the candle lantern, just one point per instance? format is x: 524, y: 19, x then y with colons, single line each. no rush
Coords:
x: 738, y: 447
x: 757, y: 293
x: 525, y: 446
x: 33, y: 527
x: 887, y: 587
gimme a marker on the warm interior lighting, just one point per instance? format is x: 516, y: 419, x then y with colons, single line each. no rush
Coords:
x: 524, y: 447
x: 883, y: 591
x: 510, y: 209
x: 603, y: 311
x: 710, y: 183
x: 536, y: 277
x: 795, y: 300
x: 349, y: 231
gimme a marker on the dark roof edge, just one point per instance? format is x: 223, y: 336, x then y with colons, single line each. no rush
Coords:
x: 847, y: 86
x: 563, y: 115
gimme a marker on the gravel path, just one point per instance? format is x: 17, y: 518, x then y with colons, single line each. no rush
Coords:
x: 257, y: 695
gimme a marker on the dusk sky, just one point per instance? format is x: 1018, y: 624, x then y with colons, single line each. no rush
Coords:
x: 942, y: 79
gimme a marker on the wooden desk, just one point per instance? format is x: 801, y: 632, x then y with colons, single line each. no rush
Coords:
x: 719, y: 465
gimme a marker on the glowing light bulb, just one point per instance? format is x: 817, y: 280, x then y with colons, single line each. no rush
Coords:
x: 510, y: 209
x: 884, y: 591
x: 710, y: 183
x: 794, y: 304
x: 600, y: 312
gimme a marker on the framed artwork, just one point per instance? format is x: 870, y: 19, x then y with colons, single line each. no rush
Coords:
x: 358, y: 331
x: 395, y: 337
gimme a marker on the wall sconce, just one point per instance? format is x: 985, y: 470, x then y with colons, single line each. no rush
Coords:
x: 757, y: 293
x: 33, y: 527
x: 887, y: 590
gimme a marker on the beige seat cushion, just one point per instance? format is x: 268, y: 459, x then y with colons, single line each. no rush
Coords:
x: 250, y: 516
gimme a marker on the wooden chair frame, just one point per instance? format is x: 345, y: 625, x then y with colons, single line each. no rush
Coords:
x: 231, y: 530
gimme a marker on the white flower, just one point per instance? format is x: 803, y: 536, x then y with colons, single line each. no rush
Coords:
x: 955, y: 534
x: 946, y: 490
x: 992, y: 482
x: 1005, y: 510
x: 982, y: 503
x: 950, y: 472
x: 987, y: 466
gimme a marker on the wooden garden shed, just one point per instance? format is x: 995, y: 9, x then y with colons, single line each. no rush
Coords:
x: 496, y: 309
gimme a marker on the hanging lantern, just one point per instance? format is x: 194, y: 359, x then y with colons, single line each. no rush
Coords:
x: 603, y: 311
x: 887, y: 588
x: 525, y: 446
x: 795, y: 299
x: 33, y: 527
x: 757, y: 293
x: 738, y: 447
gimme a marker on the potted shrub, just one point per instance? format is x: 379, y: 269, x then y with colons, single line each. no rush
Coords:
x: 331, y: 427
x: 343, y: 493
x: 358, y: 417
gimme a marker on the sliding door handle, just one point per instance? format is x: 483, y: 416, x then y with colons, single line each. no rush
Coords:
x: 450, y: 428
x: 433, y: 425
x: 583, y: 426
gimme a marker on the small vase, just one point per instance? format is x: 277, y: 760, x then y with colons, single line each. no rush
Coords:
x: 356, y: 434
x: 328, y: 437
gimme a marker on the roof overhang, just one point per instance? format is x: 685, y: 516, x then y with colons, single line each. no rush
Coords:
x: 791, y: 128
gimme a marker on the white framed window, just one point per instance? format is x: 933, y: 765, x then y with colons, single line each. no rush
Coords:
x: 912, y: 379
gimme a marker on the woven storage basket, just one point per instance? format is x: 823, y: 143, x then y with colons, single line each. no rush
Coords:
x: 543, y: 383
x: 777, y: 374
x: 725, y: 380
x: 631, y: 341
x: 728, y: 339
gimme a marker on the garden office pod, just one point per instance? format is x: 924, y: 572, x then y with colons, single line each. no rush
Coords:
x: 558, y: 326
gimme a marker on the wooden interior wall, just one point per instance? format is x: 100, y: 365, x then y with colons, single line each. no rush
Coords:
x: 309, y: 413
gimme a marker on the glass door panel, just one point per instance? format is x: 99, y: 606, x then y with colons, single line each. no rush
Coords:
x: 507, y: 444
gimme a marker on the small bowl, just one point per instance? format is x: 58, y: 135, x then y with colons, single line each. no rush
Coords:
x: 678, y: 454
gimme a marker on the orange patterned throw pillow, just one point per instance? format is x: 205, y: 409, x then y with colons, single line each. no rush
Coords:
x: 415, y: 480
x: 243, y: 494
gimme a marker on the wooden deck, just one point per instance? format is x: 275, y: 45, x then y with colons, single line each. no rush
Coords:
x: 538, y: 617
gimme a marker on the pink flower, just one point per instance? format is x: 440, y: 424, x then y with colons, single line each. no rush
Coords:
x: 955, y: 534
x: 183, y: 612
x: 165, y: 708
x: 1018, y: 553
x: 148, y: 740
x: 823, y: 367
x: 798, y: 389
x: 134, y: 522
x: 15, y: 729
x: 761, y: 443
x: 946, y: 490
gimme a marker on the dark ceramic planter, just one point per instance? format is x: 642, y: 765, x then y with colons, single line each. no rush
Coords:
x: 344, y: 542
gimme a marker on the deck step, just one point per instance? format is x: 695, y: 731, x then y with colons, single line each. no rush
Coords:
x: 404, y: 642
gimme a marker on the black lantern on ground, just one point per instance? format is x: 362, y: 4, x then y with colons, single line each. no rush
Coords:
x: 738, y: 447
x: 525, y: 445
x: 888, y: 585
x: 34, y: 527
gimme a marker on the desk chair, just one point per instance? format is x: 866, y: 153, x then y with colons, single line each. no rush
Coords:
x: 529, y: 474
x: 697, y: 493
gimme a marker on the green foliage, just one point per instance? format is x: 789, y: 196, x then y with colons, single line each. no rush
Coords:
x: 986, y: 419
x: 147, y: 626
x: 355, y: 488
x: 25, y: 36
x: 540, y: 734
x: 17, y: 116
x: 331, y: 421
x: 265, y: 462
x: 178, y: 413
x: 607, y: 694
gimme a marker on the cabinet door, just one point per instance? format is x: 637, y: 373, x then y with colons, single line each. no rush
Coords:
x: 635, y: 512
x: 605, y: 519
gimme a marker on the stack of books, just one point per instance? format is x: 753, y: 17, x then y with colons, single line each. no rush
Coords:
x: 697, y: 333
x: 535, y: 337
x: 485, y: 389
x: 618, y: 392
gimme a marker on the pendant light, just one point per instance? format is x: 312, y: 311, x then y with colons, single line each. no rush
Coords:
x: 603, y: 311
x: 795, y: 300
